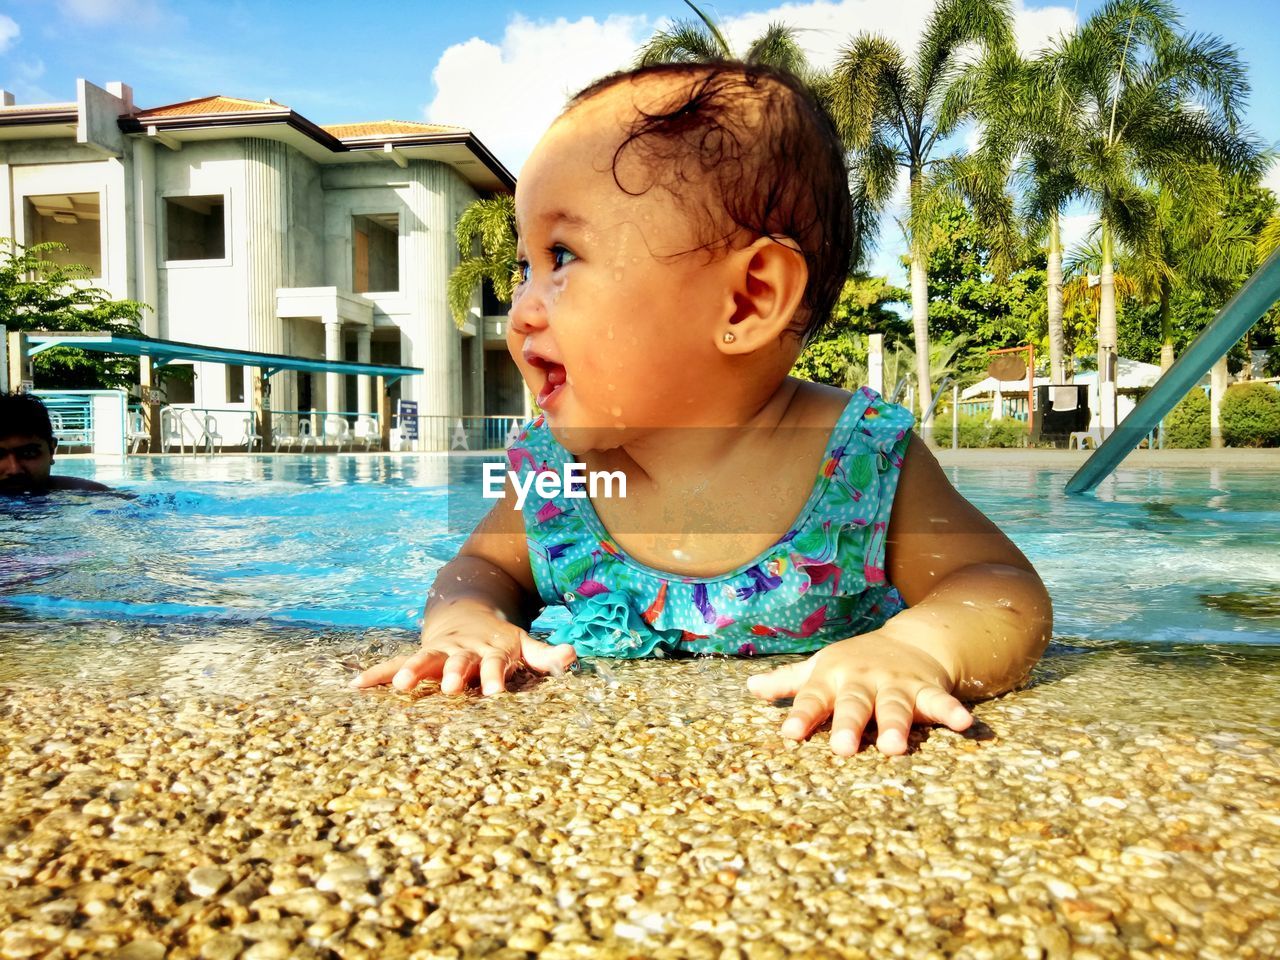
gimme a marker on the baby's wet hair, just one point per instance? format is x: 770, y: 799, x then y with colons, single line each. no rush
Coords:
x: 746, y: 148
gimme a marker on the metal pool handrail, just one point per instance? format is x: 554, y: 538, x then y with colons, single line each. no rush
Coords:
x: 1259, y: 293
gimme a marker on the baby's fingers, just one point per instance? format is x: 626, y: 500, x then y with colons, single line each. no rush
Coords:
x: 893, y: 719
x: 781, y: 683
x: 378, y: 674
x: 850, y: 718
x: 937, y: 706
x: 550, y: 658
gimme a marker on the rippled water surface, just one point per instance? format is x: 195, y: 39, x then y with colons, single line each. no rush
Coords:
x: 316, y: 560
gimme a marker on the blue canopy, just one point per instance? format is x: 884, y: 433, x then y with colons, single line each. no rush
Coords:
x: 167, y: 351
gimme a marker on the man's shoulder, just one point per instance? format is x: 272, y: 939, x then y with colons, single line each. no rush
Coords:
x: 76, y: 483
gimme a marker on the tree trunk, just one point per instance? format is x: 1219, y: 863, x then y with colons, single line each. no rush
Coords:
x: 920, y: 324
x: 1166, y: 326
x: 1107, y: 334
x: 1057, y: 341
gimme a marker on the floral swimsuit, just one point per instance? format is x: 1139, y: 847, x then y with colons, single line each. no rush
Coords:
x: 823, y: 581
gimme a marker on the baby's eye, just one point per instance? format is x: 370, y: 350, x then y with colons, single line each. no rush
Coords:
x: 561, y: 256
x: 521, y: 273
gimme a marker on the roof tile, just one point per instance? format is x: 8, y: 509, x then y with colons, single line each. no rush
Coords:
x: 388, y: 128
x: 206, y: 106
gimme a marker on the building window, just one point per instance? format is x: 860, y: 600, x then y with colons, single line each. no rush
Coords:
x: 376, y: 247
x: 195, y: 228
x: 74, y: 219
x: 235, y: 383
x: 491, y: 305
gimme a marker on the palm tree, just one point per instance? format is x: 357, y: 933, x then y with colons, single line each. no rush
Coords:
x: 894, y: 113
x: 1198, y: 246
x: 492, y: 222
x: 702, y: 40
x: 1148, y: 106
x: 1029, y: 124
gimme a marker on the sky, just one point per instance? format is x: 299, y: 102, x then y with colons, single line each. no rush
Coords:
x: 502, y: 68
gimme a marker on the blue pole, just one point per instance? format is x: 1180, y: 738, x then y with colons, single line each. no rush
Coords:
x: 1251, y: 301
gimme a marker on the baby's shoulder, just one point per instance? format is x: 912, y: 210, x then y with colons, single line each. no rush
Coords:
x: 862, y: 414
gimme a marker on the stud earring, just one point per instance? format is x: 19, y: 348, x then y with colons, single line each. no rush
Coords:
x: 729, y: 336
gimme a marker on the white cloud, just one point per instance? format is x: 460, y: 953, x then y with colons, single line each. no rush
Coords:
x: 509, y: 93
x: 130, y: 12
x: 1272, y: 180
x: 9, y: 31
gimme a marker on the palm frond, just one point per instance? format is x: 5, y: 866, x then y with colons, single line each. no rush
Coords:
x: 952, y: 28
x: 873, y: 175
x: 777, y: 47
x: 682, y: 42
x: 868, y: 88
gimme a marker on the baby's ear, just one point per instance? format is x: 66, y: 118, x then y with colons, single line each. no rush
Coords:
x: 768, y: 278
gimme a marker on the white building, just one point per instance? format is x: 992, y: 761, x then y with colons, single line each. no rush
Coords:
x: 242, y: 224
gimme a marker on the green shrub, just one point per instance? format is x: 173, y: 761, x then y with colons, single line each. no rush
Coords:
x: 980, y: 432
x: 1006, y: 433
x: 1251, y: 415
x: 1187, y: 424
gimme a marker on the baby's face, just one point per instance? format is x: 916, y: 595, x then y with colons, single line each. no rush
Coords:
x: 610, y: 329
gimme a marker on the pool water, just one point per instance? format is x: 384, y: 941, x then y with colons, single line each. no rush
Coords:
x: 255, y: 555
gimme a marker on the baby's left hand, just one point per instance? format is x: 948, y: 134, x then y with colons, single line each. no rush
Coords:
x: 854, y: 679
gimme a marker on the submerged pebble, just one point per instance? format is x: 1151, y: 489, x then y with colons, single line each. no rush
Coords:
x: 1122, y: 804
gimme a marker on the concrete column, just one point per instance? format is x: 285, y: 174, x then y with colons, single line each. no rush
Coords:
x: 146, y: 280
x: 1218, y: 377
x: 363, y: 335
x: 429, y: 331
x: 875, y: 362
x: 264, y: 231
x: 384, y: 411
x: 332, y: 381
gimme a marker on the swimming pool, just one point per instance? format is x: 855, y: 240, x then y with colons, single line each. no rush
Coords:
x: 350, y: 544
x: 185, y: 770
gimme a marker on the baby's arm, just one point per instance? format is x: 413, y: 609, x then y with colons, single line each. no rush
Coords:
x: 978, y: 619
x: 477, y: 616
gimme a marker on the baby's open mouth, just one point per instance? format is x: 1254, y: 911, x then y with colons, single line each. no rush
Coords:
x: 555, y: 380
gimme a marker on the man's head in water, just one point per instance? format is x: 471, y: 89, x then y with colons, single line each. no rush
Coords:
x: 27, y: 446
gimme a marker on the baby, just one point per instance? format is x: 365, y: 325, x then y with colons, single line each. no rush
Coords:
x: 683, y: 230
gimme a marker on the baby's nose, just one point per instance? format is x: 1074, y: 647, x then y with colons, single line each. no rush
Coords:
x: 527, y: 311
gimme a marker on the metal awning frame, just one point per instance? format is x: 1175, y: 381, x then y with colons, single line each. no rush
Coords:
x: 163, y: 352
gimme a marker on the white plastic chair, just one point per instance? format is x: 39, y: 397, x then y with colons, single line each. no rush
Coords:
x: 337, y: 431
x: 211, y: 438
x: 305, y: 436
x: 138, y: 434
x: 251, y: 435
x: 171, y: 434
x: 367, y: 430
x: 280, y: 435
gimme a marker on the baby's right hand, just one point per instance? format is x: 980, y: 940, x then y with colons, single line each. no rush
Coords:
x: 463, y: 644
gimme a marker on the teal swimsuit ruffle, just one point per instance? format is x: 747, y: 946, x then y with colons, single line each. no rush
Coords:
x: 823, y: 581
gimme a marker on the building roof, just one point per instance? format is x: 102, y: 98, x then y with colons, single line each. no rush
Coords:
x: 382, y: 129
x: 210, y: 106
x: 221, y: 117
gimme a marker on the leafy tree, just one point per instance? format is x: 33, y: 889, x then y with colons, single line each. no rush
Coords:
x: 894, y: 113
x: 840, y: 346
x: 38, y: 294
x: 486, y: 235
x: 969, y: 297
